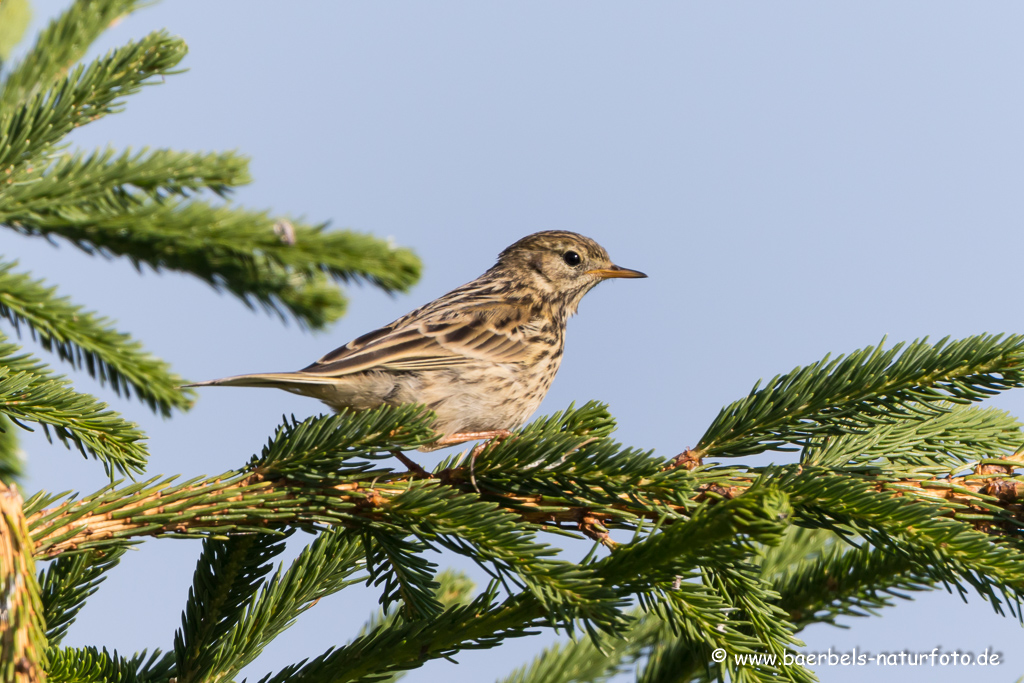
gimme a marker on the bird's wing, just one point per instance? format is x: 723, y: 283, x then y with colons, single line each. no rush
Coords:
x: 446, y: 338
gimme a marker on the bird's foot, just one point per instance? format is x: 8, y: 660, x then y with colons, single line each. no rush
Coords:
x: 463, y: 437
x: 494, y: 437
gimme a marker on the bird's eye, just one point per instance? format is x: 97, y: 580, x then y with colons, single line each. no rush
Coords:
x: 571, y: 258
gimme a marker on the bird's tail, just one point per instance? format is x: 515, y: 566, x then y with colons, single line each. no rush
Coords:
x: 280, y: 380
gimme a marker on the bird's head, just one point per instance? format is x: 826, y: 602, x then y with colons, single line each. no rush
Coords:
x: 560, y: 266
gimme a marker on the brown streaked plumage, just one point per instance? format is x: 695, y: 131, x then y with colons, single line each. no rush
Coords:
x: 482, y: 356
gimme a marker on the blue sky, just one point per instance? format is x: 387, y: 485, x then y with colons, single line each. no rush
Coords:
x: 796, y: 179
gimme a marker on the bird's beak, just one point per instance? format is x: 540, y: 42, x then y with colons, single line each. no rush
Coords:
x: 615, y: 271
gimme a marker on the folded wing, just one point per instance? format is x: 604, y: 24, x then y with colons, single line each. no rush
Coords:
x: 485, y: 332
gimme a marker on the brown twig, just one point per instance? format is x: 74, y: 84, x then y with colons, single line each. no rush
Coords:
x: 21, y: 612
x: 689, y: 459
x: 282, y: 502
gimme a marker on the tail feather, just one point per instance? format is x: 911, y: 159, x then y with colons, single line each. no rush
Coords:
x: 279, y: 380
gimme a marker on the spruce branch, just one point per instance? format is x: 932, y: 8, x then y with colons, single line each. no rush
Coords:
x: 15, y: 16
x: 408, y: 577
x: 758, y: 516
x: 869, y: 387
x: 956, y: 554
x: 798, y: 546
x: 316, y: 471
x: 22, y: 628
x: 584, y: 661
x: 384, y: 651
x: 755, y: 605
x: 28, y: 392
x: 64, y: 41
x: 565, y: 450
x: 680, y: 659
x: 453, y: 589
x: 485, y: 622
x: 66, y: 584
x: 495, y: 539
x: 946, y: 441
x: 698, y: 619
x: 324, y: 567
x: 29, y: 130
x: 11, y: 457
x: 92, y: 665
x: 106, y: 182
x: 231, y: 503
x: 733, y: 609
x: 322, y: 472
x: 321, y: 447
x: 679, y: 634
x: 845, y: 581
x: 235, y: 250
x: 227, y: 574
x: 86, y: 340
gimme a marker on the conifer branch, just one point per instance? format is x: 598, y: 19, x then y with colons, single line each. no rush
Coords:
x: 22, y: 628
x: 322, y: 472
x: 867, y: 388
x: 66, y: 584
x: 957, y: 554
x: 698, y: 620
x: 495, y: 539
x: 60, y: 46
x: 408, y: 577
x: 757, y: 612
x: 29, y: 392
x: 683, y: 659
x: 11, y: 458
x: 313, y: 471
x: 758, y: 517
x: 30, y: 129
x: 92, y: 665
x: 15, y: 16
x: 242, y: 252
x: 86, y: 340
x: 946, y: 441
x: 228, y: 573
x: 244, y: 502
x: 324, y: 567
x: 845, y: 581
x: 453, y: 589
x: 732, y: 608
x: 484, y: 623
x: 107, y: 183
x: 582, y: 660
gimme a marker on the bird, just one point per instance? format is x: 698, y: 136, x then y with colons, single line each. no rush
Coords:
x: 481, y: 357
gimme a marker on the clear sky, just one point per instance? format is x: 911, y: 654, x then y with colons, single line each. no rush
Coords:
x: 796, y: 178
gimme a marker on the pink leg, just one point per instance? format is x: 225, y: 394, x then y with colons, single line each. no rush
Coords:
x: 463, y: 437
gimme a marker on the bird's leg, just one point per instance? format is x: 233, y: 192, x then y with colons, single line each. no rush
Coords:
x: 463, y: 437
x: 413, y: 467
x: 498, y: 435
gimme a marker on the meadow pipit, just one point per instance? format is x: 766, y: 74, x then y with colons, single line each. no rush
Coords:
x: 482, y: 356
